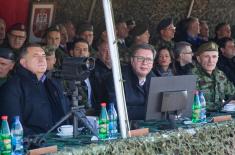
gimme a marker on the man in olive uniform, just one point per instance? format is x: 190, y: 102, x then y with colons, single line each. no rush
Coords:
x: 165, y: 32
x: 211, y: 81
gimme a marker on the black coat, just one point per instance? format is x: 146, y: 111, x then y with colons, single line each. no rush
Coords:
x: 98, y: 80
x: 135, y: 95
x: 228, y: 67
x: 39, y: 104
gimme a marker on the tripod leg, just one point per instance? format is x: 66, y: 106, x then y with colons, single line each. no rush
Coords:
x: 82, y: 117
x: 58, y: 123
x: 75, y: 126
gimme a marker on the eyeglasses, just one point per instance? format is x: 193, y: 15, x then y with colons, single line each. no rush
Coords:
x: 17, y: 36
x: 143, y: 59
x: 188, y: 53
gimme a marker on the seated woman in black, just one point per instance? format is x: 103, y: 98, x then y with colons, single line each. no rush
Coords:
x: 164, y: 63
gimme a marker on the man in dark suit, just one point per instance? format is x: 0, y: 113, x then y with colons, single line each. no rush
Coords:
x: 136, y: 78
x: 28, y: 93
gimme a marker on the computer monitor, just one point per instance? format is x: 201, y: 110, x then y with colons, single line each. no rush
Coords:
x: 170, y: 94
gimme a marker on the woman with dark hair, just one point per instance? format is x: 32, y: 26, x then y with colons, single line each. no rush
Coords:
x: 164, y: 62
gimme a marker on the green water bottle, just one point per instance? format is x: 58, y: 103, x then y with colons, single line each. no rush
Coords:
x: 103, y: 122
x: 5, y: 137
x: 196, y: 109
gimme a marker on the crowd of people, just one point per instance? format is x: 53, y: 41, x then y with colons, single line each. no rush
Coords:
x: 29, y: 89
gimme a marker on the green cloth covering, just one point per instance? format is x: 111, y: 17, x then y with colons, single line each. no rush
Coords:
x: 211, y: 138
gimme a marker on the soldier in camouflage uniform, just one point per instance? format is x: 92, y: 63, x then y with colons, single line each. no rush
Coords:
x: 211, y: 81
x: 165, y: 32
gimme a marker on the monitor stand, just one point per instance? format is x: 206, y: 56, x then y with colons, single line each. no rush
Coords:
x: 169, y: 122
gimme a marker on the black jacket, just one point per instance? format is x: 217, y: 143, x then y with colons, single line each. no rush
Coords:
x: 40, y: 104
x: 98, y: 80
x: 183, y: 70
x: 135, y: 95
x: 228, y: 67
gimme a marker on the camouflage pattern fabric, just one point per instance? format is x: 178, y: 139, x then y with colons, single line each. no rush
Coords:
x: 214, y: 139
x: 215, y: 87
x: 162, y: 43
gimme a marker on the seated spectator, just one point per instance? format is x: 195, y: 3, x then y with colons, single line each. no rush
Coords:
x: 139, y: 34
x: 85, y: 31
x: 80, y: 48
x: 183, y: 58
x: 192, y: 32
x: 50, y: 57
x: 53, y: 38
x: 165, y: 34
x: 211, y: 81
x: 2, y: 31
x: 204, y: 31
x: 71, y: 31
x: 226, y: 61
x: 31, y: 95
x: 136, y: 83
x: 122, y: 34
x: 98, y: 76
x: 84, y: 88
x: 164, y: 63
x: 64, y: 38
x: 16, y: 38
x: 7, y: 62
x: 222, y: 30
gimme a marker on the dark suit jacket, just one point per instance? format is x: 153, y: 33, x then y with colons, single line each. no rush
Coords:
x: 136, y: 95
x: 40, y: 104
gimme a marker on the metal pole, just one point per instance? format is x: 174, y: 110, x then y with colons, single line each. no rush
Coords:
x: 91, y: 10
x: 190, y: 9
x: 117, y: 75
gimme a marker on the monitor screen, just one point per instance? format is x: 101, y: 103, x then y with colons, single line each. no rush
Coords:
x: 171, y: 93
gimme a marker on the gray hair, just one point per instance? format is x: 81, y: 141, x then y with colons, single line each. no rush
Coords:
x: 135, y: 48
x: 179, y: 47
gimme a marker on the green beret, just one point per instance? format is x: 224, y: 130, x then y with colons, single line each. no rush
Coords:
x: 49, y: 50
x: 209, y: 46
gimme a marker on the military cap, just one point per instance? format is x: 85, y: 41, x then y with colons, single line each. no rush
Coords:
x: 49, y: 50
x: 7, y: 53
x: 85, y: 27
x: 138, y: 30
x: 209, y: 46
x: 164, y: 23
x: 17, y: 27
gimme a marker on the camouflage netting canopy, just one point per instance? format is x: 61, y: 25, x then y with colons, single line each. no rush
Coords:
x: 214, y: 139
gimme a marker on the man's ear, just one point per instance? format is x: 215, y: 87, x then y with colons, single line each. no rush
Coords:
x: 198, y: 59
x: 71, y: 52
x: 222, y: 50
x: 23, y: 62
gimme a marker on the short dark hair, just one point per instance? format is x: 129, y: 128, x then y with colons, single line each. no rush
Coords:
x: 137, y: 47
x: 219, y: 26
x: 24, y: 50
x: 223, y: 41
x: 77, y: 40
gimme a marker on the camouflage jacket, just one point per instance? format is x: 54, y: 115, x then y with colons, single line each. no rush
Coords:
x: 216, y: 87
x: 162, y: 43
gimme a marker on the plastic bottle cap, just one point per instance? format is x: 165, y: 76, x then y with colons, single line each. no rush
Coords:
x: 103, y: 104
x: 4, y: 117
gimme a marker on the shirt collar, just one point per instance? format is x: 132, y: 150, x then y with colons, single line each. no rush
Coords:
x: 43, y: 78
